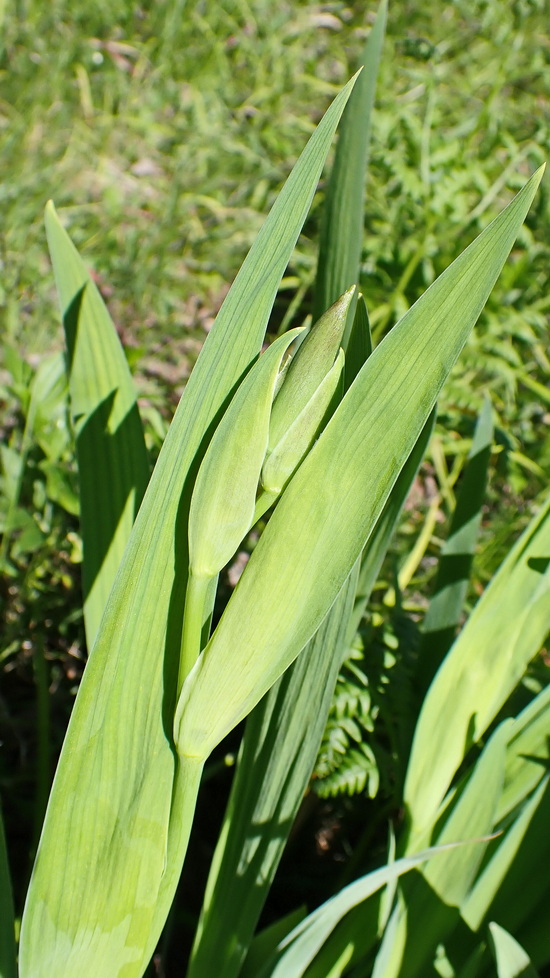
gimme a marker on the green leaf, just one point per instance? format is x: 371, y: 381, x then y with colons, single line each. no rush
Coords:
x: 223, y: 500
x: 112, y: 460
x: 528, y: 753
x: 279, y: 748
x: 284, y: 459
x: 493, y: 875
x: 359, y: 344
x: 7, y: 924
x: 299, y: 948
x: 511, y: 960
x: 431, y: 911
x: 472, y: 814
x: 446, y: 606
x: 308, y: 368
x: 280, y: 744
x: 117, y: 826
x: 505, y: 630
x: 523, y: 888
x: 342, y: 223
x: 330, y: 507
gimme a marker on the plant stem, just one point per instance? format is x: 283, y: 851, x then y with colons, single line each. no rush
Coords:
x: 193, y: 620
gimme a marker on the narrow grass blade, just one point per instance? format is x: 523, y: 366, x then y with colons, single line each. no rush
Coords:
x: 112, y: 460
x: 510, y: 958
x: 342, y: 223
x: 7, y: 923
x: 504, y: 632
x: 117, y: 825
x: 331, y: 505
x: 446, y: 606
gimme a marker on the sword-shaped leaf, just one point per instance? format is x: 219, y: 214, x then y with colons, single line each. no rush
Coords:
x: 330, y: 507
x: 343, y: 215
x: 113, y: 467
x: 298, y: 950
x: 478, y: 903
x: 446, y: 606
x: 120, y: 810
x: 503, y: 633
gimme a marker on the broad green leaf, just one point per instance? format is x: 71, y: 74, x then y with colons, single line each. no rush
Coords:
x: 378, y: 543
x: 112, y: 460
x: 342, y: 222
x: 503, y: 633
x: 223, y: 500
x: 117, y: 825
x: 330, y: 507
x: 446, y: 606
x: 7, y: 924
x: 511, y: 960
x: 280, y: 745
